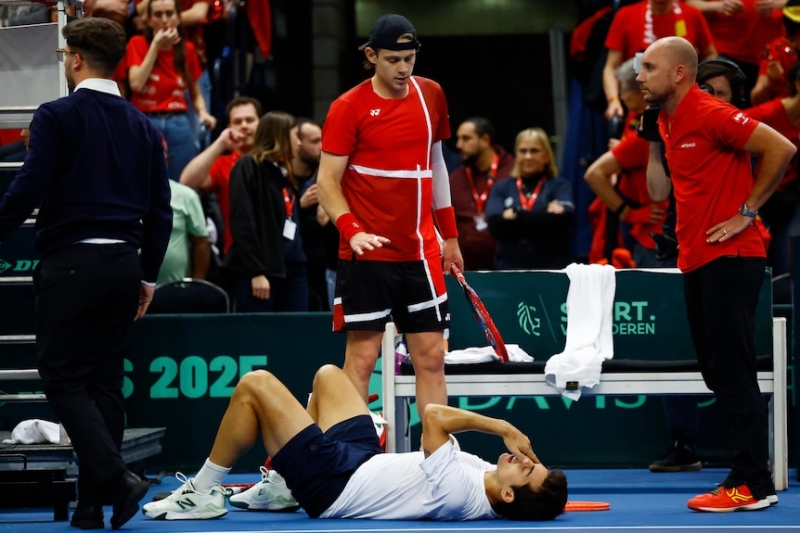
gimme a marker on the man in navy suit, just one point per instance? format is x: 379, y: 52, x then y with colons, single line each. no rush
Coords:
x: 96, y: 170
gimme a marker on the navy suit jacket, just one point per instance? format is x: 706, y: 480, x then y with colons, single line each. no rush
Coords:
x: 95, y: 169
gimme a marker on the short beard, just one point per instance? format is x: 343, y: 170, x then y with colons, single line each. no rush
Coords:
x: 306, y: 158
x: 470, y: 160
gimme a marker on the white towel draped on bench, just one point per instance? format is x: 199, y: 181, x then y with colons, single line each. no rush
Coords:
x: 590, y: 304
x: 485, y: 354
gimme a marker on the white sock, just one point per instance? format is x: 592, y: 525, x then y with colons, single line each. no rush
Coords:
x: 209, y: 476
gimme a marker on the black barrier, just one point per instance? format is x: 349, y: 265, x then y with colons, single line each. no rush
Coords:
x: 183, y: 369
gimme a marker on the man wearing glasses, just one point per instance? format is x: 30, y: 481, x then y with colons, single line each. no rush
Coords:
x: 96, y: 170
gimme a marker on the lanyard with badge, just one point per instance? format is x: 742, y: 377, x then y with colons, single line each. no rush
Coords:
x: 480, y: 199
x: 528, y: 201
x: 289, y: 226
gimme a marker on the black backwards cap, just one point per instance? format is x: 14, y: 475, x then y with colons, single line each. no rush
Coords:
x: 387, y: 29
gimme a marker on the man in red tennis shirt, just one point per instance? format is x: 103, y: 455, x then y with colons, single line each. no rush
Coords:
x: 211, y: 169
x: 708, y: 146
x: 382, y: 179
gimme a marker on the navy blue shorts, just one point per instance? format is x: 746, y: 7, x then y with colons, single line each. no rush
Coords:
x: 317, y: 465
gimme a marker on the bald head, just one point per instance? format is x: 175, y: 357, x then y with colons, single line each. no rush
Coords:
x: 681, y: 52
x: 669, y: 70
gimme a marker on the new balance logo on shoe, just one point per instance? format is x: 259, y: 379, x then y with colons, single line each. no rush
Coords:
x: 185, y: 504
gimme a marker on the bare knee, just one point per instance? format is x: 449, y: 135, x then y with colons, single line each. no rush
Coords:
x: 329, y: 377
x: 326, y: 373
x: 430, y: 361
x: 251, y: 383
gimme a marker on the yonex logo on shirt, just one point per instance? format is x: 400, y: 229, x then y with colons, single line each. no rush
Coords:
x: 687, y: 145
x: 741, y: 118
x: 375, y: 112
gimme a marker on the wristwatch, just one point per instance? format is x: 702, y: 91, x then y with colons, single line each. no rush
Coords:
x: 743, y: 210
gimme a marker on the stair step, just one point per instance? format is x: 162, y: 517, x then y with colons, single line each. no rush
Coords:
x: 16, y: 280
x: 8, y: 398
x: 17, y: 339
x: 19, y: 374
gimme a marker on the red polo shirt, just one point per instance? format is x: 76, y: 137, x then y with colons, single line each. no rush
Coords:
x: 220, y: 173
x: 744, y: 35
x: 773, y: 113
x: 627, y: 31
x: 711, y: 175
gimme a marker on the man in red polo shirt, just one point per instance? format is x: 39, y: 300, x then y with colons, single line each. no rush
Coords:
x: 708, y: 146
x: 211, y: 169
x: 383, y: 180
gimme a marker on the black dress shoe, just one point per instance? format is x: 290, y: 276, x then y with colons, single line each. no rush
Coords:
x: 125, y: 498
x: 87, y: 517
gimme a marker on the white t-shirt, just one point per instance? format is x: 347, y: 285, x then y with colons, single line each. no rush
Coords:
x: 448, y: 485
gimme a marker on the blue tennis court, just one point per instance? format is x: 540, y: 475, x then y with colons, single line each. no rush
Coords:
x: 640, y: 502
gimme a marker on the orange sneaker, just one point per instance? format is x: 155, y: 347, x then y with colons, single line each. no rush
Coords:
x: 727, y: 499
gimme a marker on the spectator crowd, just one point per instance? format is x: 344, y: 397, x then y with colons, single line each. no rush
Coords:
x: 266, y: 240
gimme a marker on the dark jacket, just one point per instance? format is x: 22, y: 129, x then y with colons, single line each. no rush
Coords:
x: 477, y: 246
x: 536, y: 239
x: 257, y: 218
x: 95, y: 169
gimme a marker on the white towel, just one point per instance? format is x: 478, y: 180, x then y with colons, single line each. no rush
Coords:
x: 34, y: 431
x: 486, y: 355
x: 590, y: 304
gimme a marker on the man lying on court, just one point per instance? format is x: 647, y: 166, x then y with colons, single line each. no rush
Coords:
x: 331, y: 459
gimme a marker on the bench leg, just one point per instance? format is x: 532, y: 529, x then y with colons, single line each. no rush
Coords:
x: 777, y: 407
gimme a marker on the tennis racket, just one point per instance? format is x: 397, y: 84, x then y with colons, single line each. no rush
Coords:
x: 481, y: 315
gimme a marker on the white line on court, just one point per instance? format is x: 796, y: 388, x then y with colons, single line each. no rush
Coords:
x: 430, y: 527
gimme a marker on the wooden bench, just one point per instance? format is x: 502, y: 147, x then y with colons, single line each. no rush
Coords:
x: 639, y: 378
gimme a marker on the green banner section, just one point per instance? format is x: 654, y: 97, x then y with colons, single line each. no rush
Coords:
x: 18, y: 257
x: 182, y: 370
x: 529, y: 309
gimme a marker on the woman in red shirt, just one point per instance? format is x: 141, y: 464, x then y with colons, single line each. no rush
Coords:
x: 161, y: 66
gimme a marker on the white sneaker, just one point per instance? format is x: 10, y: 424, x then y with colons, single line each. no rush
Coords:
x: 186, y: 503
x: 270, y: 494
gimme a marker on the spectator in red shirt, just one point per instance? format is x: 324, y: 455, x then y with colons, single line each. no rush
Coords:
x: 628, y: 200
x: 211, y: 169
x: 781, y: 209
x: 636, y: 26
x: 161, y: 67
x: 778, y: 58
x: 742, y: 29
